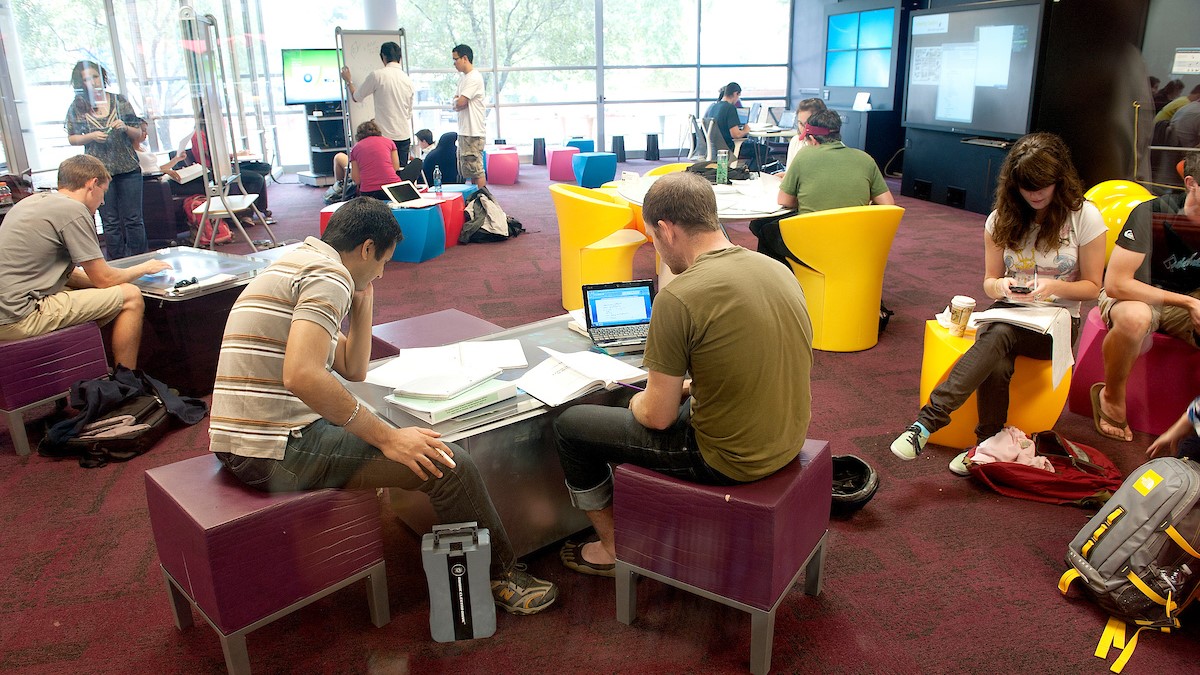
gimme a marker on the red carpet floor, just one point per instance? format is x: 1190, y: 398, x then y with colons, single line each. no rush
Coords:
x: 936, y: 575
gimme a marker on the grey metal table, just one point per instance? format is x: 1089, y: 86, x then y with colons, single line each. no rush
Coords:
x: 512, y: 443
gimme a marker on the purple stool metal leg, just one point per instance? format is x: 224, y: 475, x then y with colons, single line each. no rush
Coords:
x: 245, y: 558
x: 743, y: 546
x: 41, y: 369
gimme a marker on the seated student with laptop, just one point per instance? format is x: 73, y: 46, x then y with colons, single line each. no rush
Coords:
x: 745, y: 412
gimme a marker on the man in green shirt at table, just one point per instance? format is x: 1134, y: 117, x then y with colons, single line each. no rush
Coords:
x: 826, y: 175
x: 745, y: 410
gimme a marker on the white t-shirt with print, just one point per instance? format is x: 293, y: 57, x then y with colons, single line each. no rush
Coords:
x: 1081, y: 228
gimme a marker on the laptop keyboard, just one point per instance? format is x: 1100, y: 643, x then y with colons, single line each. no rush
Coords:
x: 619, y: 332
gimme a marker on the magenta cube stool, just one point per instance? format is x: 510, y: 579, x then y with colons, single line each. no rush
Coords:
x: 1161, y: 385
x: 743, y: 546
x: 558, y: 162
x: 245, y: 558
x: 503, y: 165
x: 39, y: 370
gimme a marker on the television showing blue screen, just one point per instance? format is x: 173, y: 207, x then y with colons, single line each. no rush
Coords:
x: 858, y: 48
x: 311, y: 76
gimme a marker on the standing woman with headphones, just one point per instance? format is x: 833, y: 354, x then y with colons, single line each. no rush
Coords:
x: 108, y: 129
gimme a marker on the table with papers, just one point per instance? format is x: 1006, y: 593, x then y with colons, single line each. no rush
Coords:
x: 741, y: 200
x: 512, y: 442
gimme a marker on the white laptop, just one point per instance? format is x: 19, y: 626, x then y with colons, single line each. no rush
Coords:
x: 618, y: 313
x: 405, y: 195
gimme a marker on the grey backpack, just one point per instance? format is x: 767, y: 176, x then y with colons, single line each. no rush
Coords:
x: 1138, y: 556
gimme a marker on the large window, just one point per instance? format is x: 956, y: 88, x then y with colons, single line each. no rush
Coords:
x: 548, y: 71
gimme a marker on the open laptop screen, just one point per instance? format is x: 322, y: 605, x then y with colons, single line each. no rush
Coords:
x: 618, y: 304
x: 401, y: 192
x: 787, y: 120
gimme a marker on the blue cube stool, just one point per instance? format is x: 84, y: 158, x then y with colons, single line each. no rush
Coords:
x: 593, y: 169
x: 584, y: 144
x: 424, y: 234
x: 467, y: 189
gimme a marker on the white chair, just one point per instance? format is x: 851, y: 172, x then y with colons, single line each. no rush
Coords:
x: 716, y: 142
x: 699, y: 141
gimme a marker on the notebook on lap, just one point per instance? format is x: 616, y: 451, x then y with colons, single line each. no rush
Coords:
x: 406, y: 195
x: 618, y: 314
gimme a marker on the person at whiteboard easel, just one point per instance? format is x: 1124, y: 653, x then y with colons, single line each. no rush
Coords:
x: 393, y: 92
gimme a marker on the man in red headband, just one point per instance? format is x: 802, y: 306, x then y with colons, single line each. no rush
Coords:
x: 826, y: 175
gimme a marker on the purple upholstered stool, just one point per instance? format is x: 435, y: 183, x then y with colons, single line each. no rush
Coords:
x: 42, y: 369
x: 246, y: 558
x: 743, y: 546
x: 1160, y: 387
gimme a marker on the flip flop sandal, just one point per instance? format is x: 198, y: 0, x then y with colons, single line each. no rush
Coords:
x: 572, y: 557
x: 1098, y: 415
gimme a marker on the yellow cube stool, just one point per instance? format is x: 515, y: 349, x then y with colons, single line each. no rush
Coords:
x: 1033, y: 403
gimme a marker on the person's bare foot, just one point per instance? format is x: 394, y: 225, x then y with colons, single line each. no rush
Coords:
x: 594, y: 552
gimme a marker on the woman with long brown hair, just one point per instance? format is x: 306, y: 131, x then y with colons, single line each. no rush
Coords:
x: 106, y: 126
x: 1043, y: 245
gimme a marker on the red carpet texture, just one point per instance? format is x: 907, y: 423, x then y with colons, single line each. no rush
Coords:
x: 936, y: 575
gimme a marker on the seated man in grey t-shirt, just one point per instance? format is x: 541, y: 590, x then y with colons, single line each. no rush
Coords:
x: 53, y: 273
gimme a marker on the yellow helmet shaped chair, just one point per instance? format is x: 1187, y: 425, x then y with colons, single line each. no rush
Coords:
x: 596, y: 243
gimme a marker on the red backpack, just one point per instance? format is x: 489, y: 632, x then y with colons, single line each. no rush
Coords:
x: 1083, y: 475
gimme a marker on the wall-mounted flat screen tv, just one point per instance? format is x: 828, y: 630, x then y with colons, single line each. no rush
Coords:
x: 311, y: 76
x: 971, y: 68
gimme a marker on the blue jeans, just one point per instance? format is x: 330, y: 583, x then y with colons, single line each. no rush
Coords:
x: 590, y: 437
x: 987, y: 368
x: 121, y: 213
x: 324, y: 455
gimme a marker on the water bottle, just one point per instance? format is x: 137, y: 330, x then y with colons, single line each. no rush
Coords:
x: 437, y: 180
x: 5, y: 195
x: 722, y: 167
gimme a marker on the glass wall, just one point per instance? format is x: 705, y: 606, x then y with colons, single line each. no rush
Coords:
x: 552, y: 68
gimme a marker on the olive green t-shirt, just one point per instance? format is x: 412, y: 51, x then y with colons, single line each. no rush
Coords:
x: 736, y: 320
x: 832, y: 176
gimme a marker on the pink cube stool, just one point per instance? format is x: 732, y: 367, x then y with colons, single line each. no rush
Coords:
x: 1162, y: 383
x: 327, y: 213
x: 503, y: 166
x: 558, y: 162
x: 743, y: 546
x: 245, y: 558
x: 38, y: 370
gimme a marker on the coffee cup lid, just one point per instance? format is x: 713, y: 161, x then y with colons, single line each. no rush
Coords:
x: 963, y: 300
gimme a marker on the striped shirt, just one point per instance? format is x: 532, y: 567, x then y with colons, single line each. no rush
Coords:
x: 252, y: 412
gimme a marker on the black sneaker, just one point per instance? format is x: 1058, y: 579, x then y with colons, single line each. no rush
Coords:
x: 519, y: 592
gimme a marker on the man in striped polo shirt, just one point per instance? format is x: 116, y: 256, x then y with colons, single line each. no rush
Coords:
x: 282, y: 422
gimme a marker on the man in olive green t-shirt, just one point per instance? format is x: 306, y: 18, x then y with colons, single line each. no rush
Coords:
x: 747, y: 414
x: 826, y: 175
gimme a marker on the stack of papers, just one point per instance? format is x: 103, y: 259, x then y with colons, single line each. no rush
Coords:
x: 421, y: 362
x: 434, y: 411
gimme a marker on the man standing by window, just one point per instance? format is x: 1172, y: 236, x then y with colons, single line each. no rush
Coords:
x: 393, y: 91
x: 472, y: 128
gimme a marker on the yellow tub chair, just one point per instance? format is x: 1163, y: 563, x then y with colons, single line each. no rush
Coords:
x: 1115, y: 199
x: 668, y: 168
x: 845, y: 252
x: 596, y: 244
x: 1034, y: 403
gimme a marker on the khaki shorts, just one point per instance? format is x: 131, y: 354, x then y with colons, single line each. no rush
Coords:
x: 1168, y: 320
x: 67, y: 308
x: 470, y: 156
